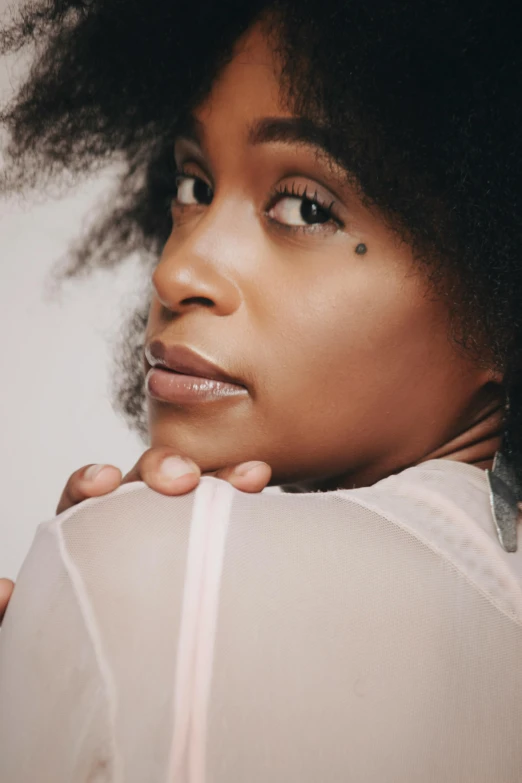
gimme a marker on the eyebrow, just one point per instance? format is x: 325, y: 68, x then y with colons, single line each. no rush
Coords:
x: 292, y: 130
x: 283, y: 130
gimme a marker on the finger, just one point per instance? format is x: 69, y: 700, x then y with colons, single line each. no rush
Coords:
x: 165, y: 470
x: 247, y: 476
x: 87, y: 482
x: 6, y: 588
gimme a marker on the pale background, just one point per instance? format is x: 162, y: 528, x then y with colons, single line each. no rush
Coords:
x: 55, y: 412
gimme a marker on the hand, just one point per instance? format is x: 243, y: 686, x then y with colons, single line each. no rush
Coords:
x: 163, y: 470
x: 6, y: 588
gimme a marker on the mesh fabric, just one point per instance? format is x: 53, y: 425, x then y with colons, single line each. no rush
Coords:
x: 362, y: 636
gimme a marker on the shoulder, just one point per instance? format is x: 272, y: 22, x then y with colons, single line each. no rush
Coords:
x: 429, y: 517
x: 445, y: 505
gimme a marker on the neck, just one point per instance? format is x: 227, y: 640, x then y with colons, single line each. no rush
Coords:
x: 478, y: 442
x: 474, y: 444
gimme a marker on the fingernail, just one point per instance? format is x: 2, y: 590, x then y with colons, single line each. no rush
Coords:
x: 246, y: 467
x: 91, y: 472
x: 174, y: 467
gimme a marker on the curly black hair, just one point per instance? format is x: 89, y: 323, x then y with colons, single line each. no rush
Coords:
x: 420, y: 100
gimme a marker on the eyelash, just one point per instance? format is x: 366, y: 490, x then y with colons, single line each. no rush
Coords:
x: 276, y: 195
x: 283, y: 191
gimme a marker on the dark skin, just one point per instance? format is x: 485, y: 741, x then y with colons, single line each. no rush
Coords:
x: 348, y: 367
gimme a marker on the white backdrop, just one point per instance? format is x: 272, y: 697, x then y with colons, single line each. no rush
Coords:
x: 55, y: 413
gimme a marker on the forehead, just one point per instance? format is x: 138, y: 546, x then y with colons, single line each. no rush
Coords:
x: 247, y: 105
x: 248, y: 86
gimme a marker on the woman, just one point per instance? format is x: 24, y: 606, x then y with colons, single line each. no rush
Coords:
x: 336, y: 302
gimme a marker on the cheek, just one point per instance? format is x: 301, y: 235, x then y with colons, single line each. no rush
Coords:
x: 348, y: 338
x: 355, y: 363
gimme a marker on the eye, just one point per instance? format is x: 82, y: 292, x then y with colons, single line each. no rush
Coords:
x: 295, y: 211
x: 300, y: 211
x: 192, y: 190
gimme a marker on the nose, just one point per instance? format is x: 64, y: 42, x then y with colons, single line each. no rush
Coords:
x: 194, y: 273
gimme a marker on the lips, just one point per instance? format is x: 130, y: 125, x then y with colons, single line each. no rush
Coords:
x: 180, y: 376
x: 183, y: 360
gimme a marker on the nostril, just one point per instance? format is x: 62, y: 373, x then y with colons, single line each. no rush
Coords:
x: 198, y: 300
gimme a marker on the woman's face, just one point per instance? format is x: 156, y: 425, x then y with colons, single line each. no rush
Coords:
x: 346, y: 367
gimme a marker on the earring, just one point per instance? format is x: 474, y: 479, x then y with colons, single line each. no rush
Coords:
x: 505, y: 493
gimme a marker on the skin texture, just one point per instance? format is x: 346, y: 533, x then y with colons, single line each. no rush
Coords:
x: 348, y: 367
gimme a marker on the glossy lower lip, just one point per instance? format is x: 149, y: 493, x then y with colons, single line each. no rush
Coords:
x: 169, y: 386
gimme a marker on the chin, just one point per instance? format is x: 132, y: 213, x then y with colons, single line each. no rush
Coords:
x: 210, y: 448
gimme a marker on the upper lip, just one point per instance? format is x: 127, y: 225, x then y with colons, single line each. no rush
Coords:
x: 182, y: 359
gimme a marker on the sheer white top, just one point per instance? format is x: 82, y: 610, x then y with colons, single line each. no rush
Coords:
x: 362, y: 636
